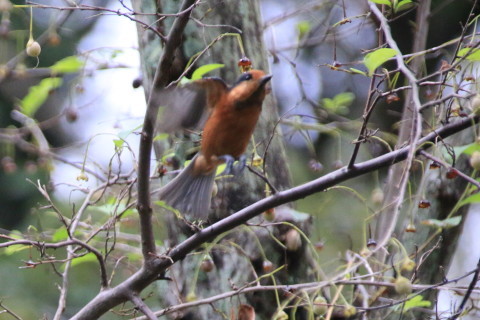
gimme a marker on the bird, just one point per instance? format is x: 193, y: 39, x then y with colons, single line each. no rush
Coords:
x: 229, y: 114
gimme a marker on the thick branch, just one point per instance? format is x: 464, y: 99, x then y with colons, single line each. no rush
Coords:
x: 160, y: 81
x: 110, y: 298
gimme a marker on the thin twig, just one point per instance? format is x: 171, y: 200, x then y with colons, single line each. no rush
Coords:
x: 109, y: 298
x: 471, y: 286
x: 446, y: 165
x: 415, y: 132
x: 138, y: 302
x: 10, y: 312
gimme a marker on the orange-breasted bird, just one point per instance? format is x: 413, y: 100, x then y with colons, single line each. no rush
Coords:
x: 232, y: 113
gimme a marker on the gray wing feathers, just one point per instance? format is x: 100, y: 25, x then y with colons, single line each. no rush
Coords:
x: 189, y: 194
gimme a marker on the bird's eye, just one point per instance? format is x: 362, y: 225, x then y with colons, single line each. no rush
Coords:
x: 244, y: 77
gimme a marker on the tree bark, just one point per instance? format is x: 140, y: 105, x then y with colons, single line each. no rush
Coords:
x: 242, y: 255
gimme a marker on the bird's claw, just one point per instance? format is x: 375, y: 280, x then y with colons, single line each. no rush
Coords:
x: 242, y: 162
x: 230, y: 167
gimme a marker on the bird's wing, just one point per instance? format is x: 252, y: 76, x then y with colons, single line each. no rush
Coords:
x: 190, y: 105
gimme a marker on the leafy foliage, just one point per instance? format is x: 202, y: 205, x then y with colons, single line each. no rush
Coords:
x: 376, y: 58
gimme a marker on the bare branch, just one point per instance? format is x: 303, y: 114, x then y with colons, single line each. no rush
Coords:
x: 109, y: 298
x: 159, y: 82
x: 471, y: 286
x: 414, y: 133
x: 138, y: 302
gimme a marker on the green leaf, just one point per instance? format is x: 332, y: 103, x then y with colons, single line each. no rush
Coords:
x: 340, y: 103
x: 89, y: 257
x: 344, y: 99
x: 303, y: 27
x: 201, y: 71
x: 128, y: 212
x: 387, y: 2
x: 15, y: 234
x: 15, y: 248
x: 59, y: 235
x: 329, y: 104
x: 358, y: 71
x: 471, y: 54
x: 474, y: 198
x: 161, y: 136
x: 184, y: 81
x: 68, y: 65
x: 125, y: 133
x: 376, y: 58
x: 403, y: 5
x: 416, y: 302
x: 443, y: 224
x: 38, y: 94
x: 467, y: 149
x: 118, y: 143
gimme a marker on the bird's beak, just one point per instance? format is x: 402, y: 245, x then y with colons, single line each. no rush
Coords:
x: 263, y: 80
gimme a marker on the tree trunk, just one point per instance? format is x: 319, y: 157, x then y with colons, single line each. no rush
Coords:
x: 240, y: 256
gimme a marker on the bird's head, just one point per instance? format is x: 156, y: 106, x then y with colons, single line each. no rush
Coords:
x: 251, y: 87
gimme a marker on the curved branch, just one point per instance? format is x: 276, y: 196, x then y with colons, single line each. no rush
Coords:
x: 110, y: 298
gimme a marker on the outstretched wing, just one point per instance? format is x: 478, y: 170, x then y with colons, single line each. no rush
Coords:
x: 188, y: 106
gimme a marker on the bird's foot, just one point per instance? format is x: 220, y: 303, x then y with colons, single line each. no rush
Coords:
x: 232, y: 168
x: 242, y: 163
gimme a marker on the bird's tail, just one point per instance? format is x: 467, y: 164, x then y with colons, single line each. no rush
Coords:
x: 188, y: 193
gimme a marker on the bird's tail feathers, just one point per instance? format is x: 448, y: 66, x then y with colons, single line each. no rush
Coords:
x: 188, y: 193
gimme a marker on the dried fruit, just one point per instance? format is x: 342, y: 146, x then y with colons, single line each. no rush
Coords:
x: 191, y: 296
x: 452, y: 173
x: 475, y: 160
x: 8, y: 165
x: 293, y: 240
x: 393, y: 97
x: 269, y: 214
x: 207, y: 264
x: 434, y: 165
x: 82, y: 176
x: 71, y: 114
x: 408, y: 265
x: 371, y: 243
x: 403, y: 285
x: 411, y: 227
x: 424, y: 204
x: 476, y: 103
x: 54, y: 39
x: 377, y: 196
x: 33, y: 48
x: 267, y: 266
x: 245, y: 64
x: 319, y: 245
x: 349, y: 311
x: 257, y: 161
x: 319, y: 306
x: 315, y: 166
x: 5, y: 5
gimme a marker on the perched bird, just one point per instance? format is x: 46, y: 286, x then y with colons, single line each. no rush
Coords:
x: 232, y: 113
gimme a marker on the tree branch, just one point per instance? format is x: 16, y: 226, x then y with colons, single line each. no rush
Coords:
x: 110, y: 298
x: 138, y: 302
x: 159, y: 82
x: 410, y: 132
